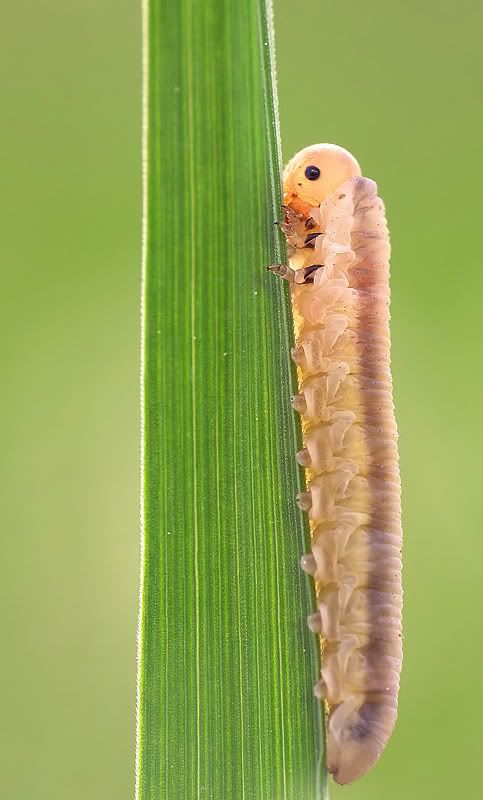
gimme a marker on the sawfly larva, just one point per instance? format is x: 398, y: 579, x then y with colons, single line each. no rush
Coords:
x: 338, y: 248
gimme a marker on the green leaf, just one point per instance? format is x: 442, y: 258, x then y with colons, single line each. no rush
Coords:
x: 226, y: 663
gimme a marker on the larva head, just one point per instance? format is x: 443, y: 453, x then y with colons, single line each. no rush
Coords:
x: 314, y: 173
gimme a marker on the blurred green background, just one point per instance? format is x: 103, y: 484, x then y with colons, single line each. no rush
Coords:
x: 400, y: 85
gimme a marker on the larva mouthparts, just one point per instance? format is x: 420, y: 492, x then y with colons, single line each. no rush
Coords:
x: 342, y: 353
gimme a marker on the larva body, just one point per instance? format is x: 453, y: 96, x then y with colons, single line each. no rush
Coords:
x: 339, y: 273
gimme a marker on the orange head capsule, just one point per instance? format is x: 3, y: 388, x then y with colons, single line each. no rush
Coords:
x: 313, y: 173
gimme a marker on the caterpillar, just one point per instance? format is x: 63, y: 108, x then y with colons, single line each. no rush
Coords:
x: 338, y: 271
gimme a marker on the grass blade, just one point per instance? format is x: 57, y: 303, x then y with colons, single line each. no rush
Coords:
x: 226, y: 662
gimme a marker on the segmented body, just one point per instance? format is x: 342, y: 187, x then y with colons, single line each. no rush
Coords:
x: 342, y: 352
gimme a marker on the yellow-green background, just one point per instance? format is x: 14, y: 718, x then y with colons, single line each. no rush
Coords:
x: 400, y: 84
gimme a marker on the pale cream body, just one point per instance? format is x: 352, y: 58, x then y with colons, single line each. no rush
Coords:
x: 342, y: 351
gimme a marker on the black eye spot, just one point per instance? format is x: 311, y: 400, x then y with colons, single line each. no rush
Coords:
x: 312, y: 173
